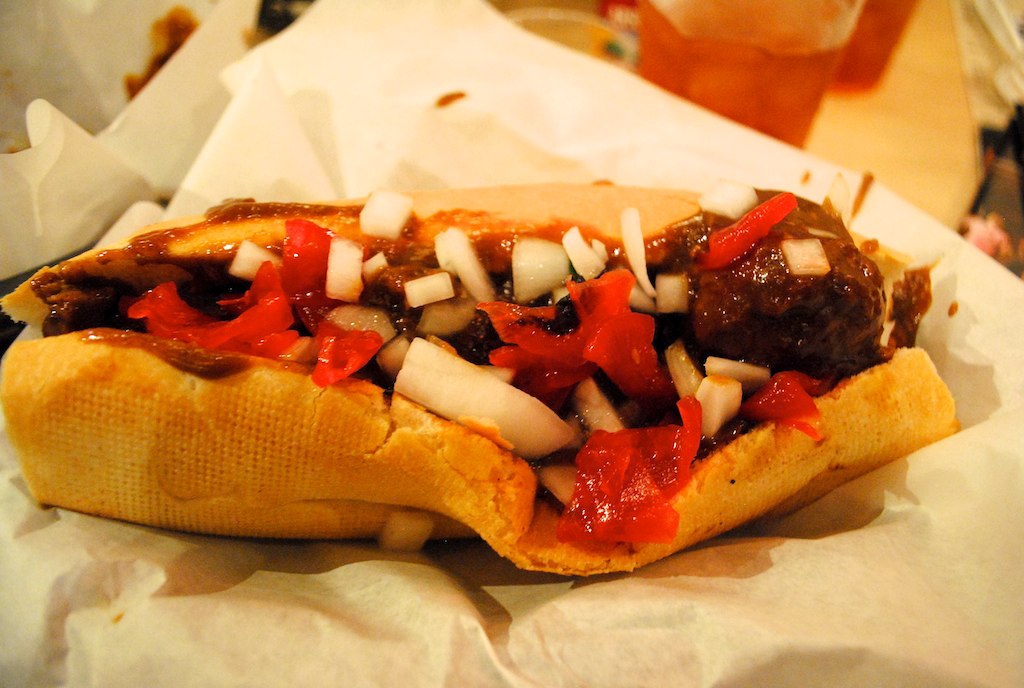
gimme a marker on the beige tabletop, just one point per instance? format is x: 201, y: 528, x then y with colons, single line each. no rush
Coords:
x: 915, y: 131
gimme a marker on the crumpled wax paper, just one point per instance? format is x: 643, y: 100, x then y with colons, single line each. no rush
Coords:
x: 908, y: 576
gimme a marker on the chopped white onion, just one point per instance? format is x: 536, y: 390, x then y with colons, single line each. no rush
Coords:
x: 444, y: 318
x: 406, y: 531
x: 437, y: 341
x: 559, y: 479
x: 351, y: 316
x: 538, y: 266
x: 302, y: 351
x: 248, y: 259
x: 460, y: 258
x: 750, y: 376
x: 729, y: 199
x: 436, y: 286
x: 594, y: 408
x: 579, y: 434
x: 805, y: 257
x: 385, y: 214
x: 887, y: 328
x: 720, y: 398
x: 392, y: 355
x: 684, y: 372
x: 373, y: 265
x: 443, y: 255
x: 636, y: 251
x: 840, y: 198
x: 821, y: 233
x: 672, y: 292
x: 460, y: 391
x: 584, y: 259
x: 640, y: 301
x: 344, y: 270
x: 506, y: 375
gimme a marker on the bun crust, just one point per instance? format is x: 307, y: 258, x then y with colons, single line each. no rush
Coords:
x: 105, y: 424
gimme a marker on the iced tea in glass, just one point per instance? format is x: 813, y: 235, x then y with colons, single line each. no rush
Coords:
x: 867, y: 55
x: 763, y: 63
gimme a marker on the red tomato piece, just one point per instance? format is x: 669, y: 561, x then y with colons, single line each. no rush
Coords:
x: 811, y: 385
x: 267, y: 317
x: 342, y: 352
x: 730, y: 243
x: 786, y: 400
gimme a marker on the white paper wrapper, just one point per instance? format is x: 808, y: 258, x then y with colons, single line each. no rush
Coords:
x: 62, y: 154
x: 909, y: 576
x: 61, y: 194
x: 50, y: 51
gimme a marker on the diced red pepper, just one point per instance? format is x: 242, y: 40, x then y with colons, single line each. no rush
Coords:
x: 599, y: 299
x: 342, y: 352
x: 267, y: 312
x: 692, y: 415
x: 812, y: 385
x: 260, y: 328
x: 166, y: 313
x: 622, y: 346
x: 617, y: 498
x: 626, y: 479
x: 304, y: 255
x: 609, y: 334
x: 540, y: 377
x: 525, y: 327
x: 731, y: 243
x: 273, y: 345
x: 265, y: 285
x: 786, y: 399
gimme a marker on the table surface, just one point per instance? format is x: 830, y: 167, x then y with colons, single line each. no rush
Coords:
x: 915, y: 132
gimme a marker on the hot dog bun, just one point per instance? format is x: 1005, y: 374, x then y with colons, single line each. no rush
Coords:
x: 105, y: 423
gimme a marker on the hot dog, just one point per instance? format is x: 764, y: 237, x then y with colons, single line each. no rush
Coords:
x: 588, y: 377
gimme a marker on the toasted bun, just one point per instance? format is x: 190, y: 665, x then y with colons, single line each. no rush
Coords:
x: 112, y: 424
x: 597, y: 209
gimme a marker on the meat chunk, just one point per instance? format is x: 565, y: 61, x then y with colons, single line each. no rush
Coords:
x: 758, y: 310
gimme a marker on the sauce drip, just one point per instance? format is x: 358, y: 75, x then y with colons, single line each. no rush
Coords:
x: 188, y: 358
